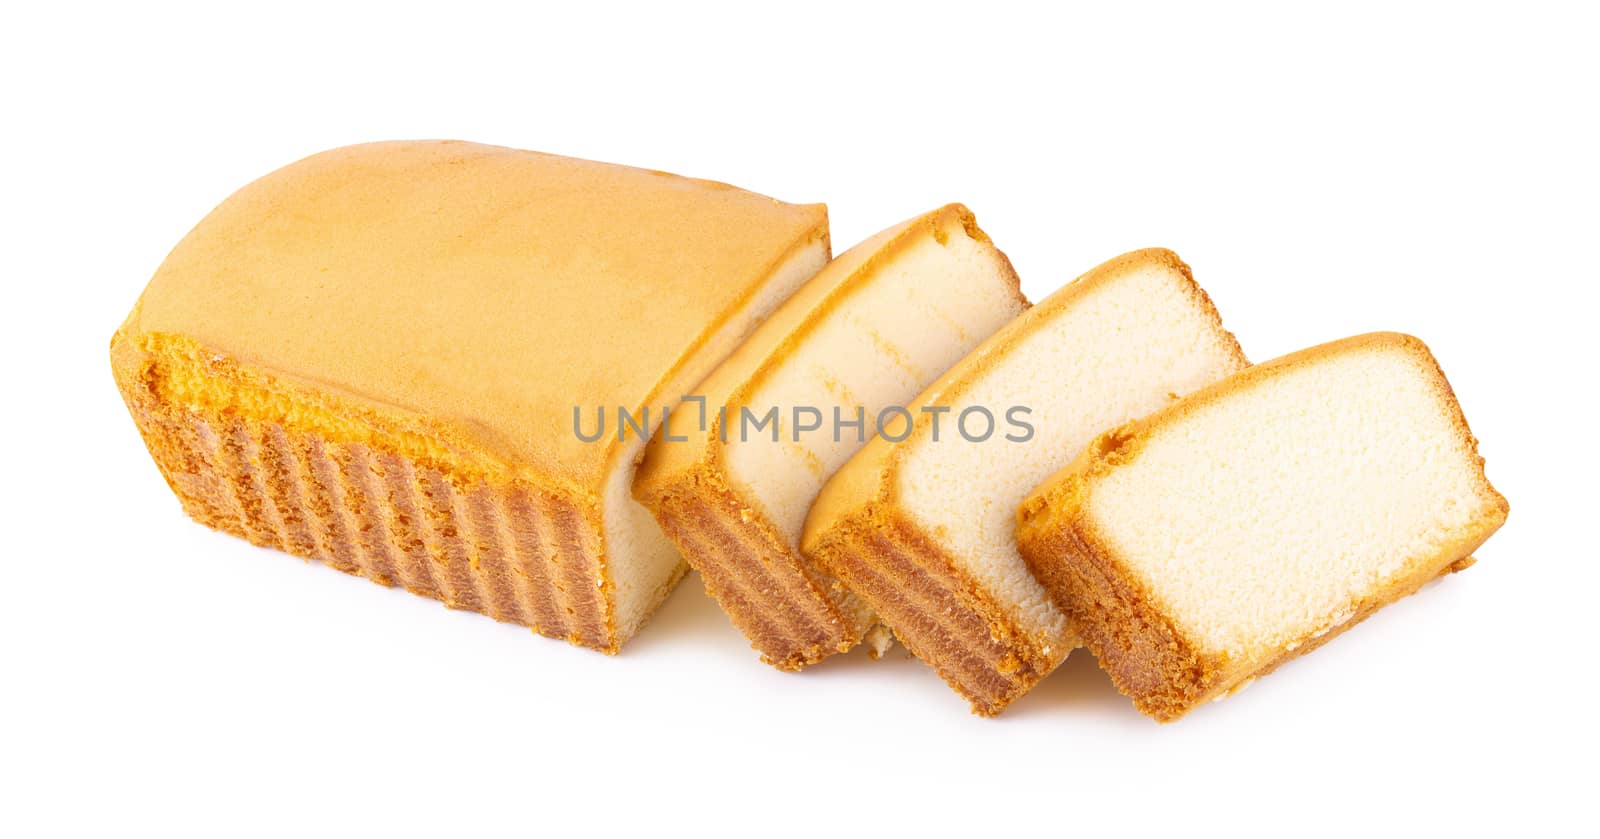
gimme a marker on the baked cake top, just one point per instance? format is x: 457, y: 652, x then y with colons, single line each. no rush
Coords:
x: 489, y: 288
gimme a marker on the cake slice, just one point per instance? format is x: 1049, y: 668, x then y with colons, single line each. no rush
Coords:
x: 868, y: 332
x: 920, y: 523
x: 1205, y: 545
x: 390, y: 357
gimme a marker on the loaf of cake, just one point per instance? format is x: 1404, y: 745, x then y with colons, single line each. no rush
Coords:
x: 435, y: 364
x: 920, y: 523
x: 1203, y: 546
x: 732, y: 473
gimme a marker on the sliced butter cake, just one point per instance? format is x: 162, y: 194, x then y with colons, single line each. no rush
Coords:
x: 1203, y: 546
x: 374, y: 357
x: 922, y: 527
x: 733, y: 472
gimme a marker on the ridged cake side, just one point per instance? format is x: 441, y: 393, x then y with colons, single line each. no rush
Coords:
x: 937, y: 610
x: 388, y: 505
x: 791, y: 616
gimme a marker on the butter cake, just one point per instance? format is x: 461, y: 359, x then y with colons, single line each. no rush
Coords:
x: 1205, y: 545
x: 864, y: 335
x: 389, y: 357
x: 923, y: 528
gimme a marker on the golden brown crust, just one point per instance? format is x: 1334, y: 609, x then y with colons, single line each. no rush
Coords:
x: 465, y: 282
x: 256, y: 459
x: 936, y: 609
x: 1124, y: 624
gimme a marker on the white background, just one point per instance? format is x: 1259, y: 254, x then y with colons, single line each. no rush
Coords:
x: 1429, y: 170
